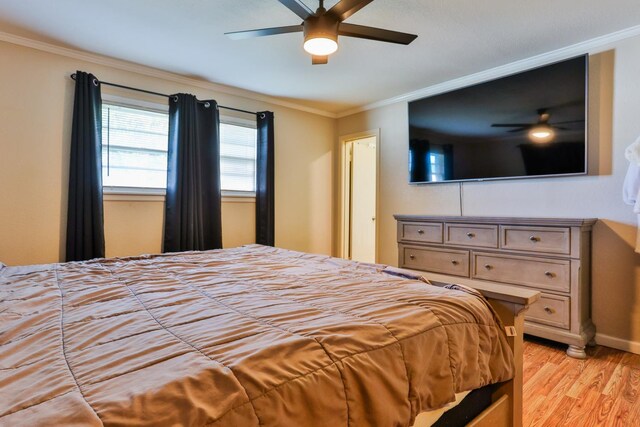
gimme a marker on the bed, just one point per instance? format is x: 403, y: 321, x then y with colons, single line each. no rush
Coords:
x: 251, y: 336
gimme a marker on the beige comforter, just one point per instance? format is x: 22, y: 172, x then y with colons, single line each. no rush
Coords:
x: 253, y: 336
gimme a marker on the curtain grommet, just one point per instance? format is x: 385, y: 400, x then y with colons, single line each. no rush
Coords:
x: 207, y: 105
x: 96, y: 83
x: 175, y: 98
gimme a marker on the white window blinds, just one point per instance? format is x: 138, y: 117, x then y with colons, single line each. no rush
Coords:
x: 134, y: 147
x: 237, y: 157
x: 134, y: 150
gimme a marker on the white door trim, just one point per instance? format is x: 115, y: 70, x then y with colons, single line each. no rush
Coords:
x: 343, y: 198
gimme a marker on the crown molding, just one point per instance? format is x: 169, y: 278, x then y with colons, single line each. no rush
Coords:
x: 592, y: 46
x: 154, y: 72
x: 595, y: 45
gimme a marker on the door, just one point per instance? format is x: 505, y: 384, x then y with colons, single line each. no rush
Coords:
x: 363, y: 200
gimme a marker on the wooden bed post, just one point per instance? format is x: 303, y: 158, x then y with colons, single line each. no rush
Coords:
x: 512, y: 314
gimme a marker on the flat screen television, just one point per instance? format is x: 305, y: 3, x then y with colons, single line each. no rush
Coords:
x: 526, y: 125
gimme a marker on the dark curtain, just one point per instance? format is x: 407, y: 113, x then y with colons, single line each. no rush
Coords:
x: 419, y: 165
x: 85, y: 219
x: 265, y: 228
x: 193, y: 204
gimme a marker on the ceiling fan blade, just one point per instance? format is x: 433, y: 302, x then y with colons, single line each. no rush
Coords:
x: 378, y: 34
x: 297, y: 7
x: 510, y: 125
x: 239, y: 35
x: 517, y: 130
x: 319, y: 60
x: 345, y: 8
x: 568, y: 122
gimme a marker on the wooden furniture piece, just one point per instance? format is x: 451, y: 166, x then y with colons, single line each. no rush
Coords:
x: 551, y: 255
x: 510, y: 303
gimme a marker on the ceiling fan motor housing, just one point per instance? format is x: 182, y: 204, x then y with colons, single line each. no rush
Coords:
x: 322, y: 26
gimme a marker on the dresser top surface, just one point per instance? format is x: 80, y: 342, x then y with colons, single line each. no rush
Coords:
x: 567, y: 222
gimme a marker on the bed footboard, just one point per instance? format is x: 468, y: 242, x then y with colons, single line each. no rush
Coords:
x: 510, y: 303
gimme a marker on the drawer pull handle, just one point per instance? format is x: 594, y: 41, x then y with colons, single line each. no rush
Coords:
x: 412, y: 256
x: 421, y: 231
x: 549, y: 310
x: 454, y: 262
x: 549, y: 274
x: 488, y: 266
x: 471, y: 235
x: 534, y: 239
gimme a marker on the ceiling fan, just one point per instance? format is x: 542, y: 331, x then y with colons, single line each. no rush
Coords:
x: 540, y: 131
x: 322, y: 28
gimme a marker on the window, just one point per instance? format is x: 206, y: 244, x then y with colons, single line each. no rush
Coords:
x: 134, y: 147
x: 436, y: 166
x: 134, y: 150
x: 237, y: 157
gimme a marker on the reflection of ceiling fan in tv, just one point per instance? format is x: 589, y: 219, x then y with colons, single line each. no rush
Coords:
x: 322, y: 28
x: 540, y: 131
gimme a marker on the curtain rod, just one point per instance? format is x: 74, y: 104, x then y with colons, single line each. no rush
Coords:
x: 73, y: 76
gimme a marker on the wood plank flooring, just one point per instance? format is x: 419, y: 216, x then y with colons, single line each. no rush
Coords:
x: 603, y: 390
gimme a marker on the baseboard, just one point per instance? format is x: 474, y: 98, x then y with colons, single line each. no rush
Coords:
x: 620, y: 344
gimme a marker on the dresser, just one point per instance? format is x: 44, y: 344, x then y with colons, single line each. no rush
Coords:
x: 550, y: 255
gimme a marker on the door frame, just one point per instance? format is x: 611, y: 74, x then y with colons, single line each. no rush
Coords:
x: 345, y: 189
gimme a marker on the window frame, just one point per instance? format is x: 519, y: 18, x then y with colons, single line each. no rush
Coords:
x: 126, y: 193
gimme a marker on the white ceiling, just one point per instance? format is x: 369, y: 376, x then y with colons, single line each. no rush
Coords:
x: 455, y: 38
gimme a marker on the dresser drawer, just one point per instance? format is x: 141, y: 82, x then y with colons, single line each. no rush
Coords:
x: 536, y: 239
x: 420, y: 232
x: 436, y: 260
x: 553, y: 310
x: 534, y: 272
x: 483, y: 236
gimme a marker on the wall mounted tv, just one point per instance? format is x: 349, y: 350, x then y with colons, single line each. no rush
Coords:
x: 527, y: 125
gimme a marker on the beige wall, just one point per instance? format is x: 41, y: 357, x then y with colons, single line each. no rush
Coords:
x: 614, y: 124
x: 133, y: 224
x: 35, y: 116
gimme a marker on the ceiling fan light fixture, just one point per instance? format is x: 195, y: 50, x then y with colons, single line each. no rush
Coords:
x: 320, y: 46
x: 320, y: 35
x: 541, y: 133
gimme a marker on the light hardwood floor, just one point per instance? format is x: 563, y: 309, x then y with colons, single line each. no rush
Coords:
x: 603, y: 390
